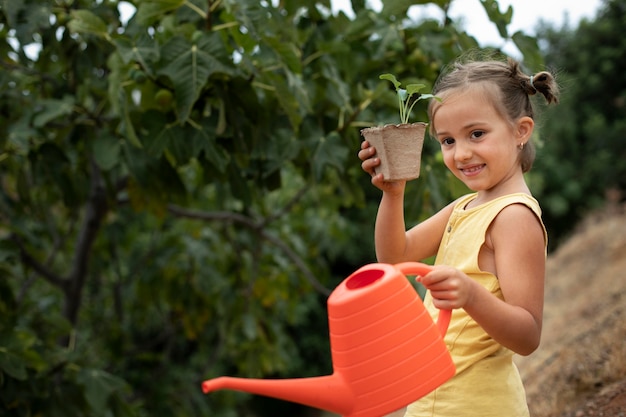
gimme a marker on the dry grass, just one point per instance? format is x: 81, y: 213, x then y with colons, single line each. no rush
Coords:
x: 583, y: 348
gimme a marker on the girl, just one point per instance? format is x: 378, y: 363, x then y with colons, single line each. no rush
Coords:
x: 490, y: 245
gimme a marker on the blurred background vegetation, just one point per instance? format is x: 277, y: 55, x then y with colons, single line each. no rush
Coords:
x: 180, y: 191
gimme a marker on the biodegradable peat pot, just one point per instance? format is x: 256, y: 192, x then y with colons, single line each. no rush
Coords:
x: 399, y: 148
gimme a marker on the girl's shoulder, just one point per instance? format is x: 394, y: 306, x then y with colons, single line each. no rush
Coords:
x: 519, y: 213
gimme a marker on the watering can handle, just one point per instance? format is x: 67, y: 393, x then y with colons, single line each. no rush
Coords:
x: 418, y: 268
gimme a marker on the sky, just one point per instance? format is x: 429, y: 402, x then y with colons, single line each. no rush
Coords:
x: 526, y: 15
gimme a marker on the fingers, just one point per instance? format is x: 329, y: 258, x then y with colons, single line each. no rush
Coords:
x: 366, y: 151
x: 369, y: 166
x: 437, y: 275
x: 449, y: 287
x: 366, y: 154
x: 441, y: 282
x: 379, y: 182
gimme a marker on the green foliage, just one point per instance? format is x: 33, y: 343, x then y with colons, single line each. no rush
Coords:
x: 583, y: 156
x: 180, y: 193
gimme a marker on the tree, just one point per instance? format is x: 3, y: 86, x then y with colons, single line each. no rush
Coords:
x: 584, y: 153
x: 179, y: 190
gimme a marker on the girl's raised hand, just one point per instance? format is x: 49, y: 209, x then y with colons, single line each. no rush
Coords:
x: 367, y: 155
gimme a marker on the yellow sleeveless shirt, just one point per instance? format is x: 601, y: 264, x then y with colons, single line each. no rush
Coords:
x: 487, y: 382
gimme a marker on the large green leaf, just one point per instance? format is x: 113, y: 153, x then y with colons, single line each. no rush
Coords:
x: 530, y: 49
x: 188, y: 66
x: 52, y: 109
x: 18, y: 353
x: 329, y: 153
x: 151, y: 10
x: 144, y: 50
x: 501, y: 20
x: 396, y: 8
x: 12, y: 364
x: 84, y: 21
x: 99, y: 386
x: 106, y: 151
x: 288, y: 97
x: 287, y: 52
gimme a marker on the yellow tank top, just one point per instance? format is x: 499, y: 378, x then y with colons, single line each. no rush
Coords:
x: 487, y: 382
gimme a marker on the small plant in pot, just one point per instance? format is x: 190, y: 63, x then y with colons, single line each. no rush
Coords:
x: 399, y: 146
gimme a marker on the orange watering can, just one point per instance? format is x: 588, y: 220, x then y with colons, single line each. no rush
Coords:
x: 386, y: 350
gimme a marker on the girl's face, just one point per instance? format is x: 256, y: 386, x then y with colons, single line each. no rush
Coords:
x: 479, y: 146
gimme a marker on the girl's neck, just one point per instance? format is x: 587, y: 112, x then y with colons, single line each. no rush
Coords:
x: 512, y: 186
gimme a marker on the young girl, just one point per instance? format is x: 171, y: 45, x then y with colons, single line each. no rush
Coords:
x: 490, y: 245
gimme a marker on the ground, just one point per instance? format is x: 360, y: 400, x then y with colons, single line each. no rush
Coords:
x: 580, y: 368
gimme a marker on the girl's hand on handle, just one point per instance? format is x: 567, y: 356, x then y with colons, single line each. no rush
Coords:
x: 449, y: 287
x: 370, y: 161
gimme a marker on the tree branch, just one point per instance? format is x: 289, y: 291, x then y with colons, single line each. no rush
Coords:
x: 288, y: 206
x: 257, y: 227
x: 94, y: 212
x: 39, y: 268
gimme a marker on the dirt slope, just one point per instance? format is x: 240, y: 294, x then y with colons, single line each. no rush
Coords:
x: 580, y: 368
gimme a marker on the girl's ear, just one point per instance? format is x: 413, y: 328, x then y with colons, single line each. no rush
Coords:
x: 525, y: 126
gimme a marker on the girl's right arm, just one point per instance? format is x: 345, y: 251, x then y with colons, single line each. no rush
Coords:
x: 394, y: 244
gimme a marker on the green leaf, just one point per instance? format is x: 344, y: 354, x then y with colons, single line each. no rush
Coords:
x: 415, y: 88
x: 249, y: 326
x: 239, y: 187
x: 392, y: 78
x: 287, y: 52
x: 428, y: 96
x: 20, y: 133
x: 529, y: 48
x: 286, y: 98
x: 12, y: 364
x: 160, y: 183
x: 144, y: 50
x: 329, y: 152
x: 150, y: 10
x: 188, y: 66
x: 184, y: 142
x: 53, y: 109
x: 106, y: 151
x: 84, y: 21
x: 126, y: 124
x: 396, y: 8
x: 99, y: 386
x: 501, y: 20
x: 214, y: 153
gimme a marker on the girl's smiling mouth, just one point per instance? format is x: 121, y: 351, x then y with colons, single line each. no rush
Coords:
x: 472, y: 170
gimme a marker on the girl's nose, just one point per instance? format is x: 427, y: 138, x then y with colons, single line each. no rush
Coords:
x: 462, y: 152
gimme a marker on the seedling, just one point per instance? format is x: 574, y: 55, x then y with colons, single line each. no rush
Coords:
x: 405, y: 94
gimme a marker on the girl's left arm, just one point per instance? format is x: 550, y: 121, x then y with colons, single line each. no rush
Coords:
x: 517, y: 239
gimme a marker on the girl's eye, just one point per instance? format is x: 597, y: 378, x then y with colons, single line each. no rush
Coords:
x: 447, y: 141
x: 477, y: 133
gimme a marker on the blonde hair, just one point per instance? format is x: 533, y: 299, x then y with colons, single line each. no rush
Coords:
x: 506, y: 85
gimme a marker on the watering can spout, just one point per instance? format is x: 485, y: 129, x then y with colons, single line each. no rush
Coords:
x: 325, y: 392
